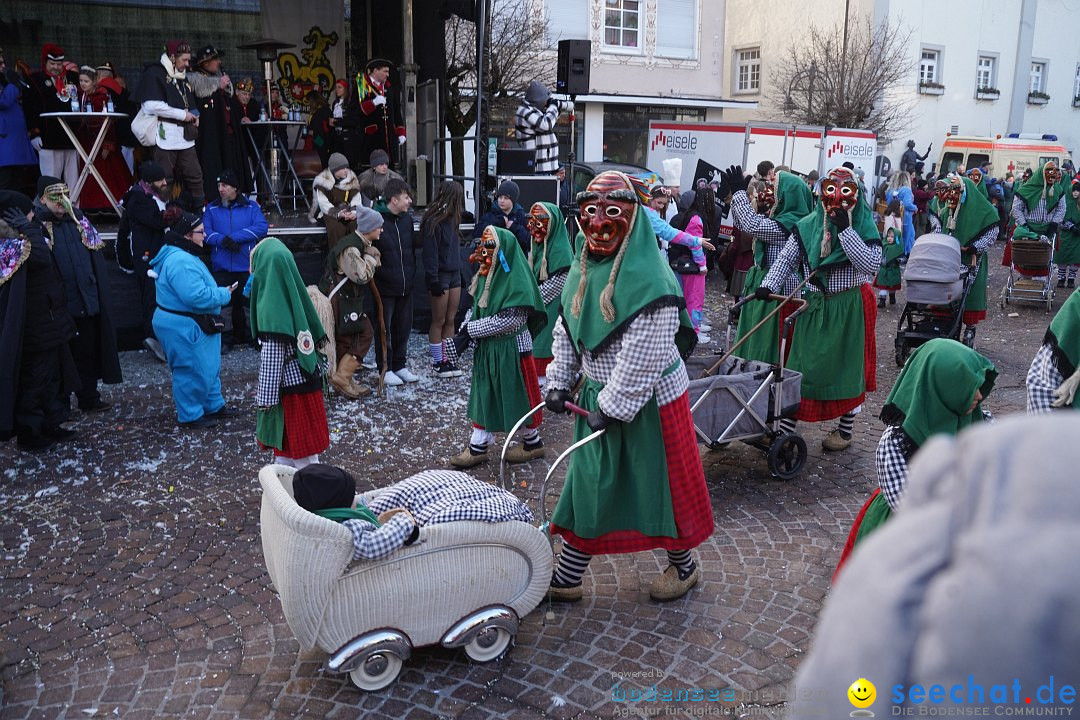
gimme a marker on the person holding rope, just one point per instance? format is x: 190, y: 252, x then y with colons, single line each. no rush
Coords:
x: 507, y: 310
x: 625, y: 328
x: 961, y: 211
x: 771, y: 226
x: 837, y: 248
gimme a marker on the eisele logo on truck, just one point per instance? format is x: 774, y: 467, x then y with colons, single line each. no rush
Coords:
x: 676, y: 142
x: 850, y: 149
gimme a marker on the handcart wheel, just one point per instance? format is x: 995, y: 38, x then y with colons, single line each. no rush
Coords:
x: 377, y: 671
x: 787, y: 455
x: 489, y: 644
x: 902, y: 354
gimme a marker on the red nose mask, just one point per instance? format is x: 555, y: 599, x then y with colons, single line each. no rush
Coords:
x: 839, y: 189
x: 539, y: 223
x: 484, y: 254
x: 607, y: 210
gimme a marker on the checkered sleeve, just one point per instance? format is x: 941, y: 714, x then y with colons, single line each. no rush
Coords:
x: 987, y: 239
x: 865, y: 257
x: 892, y: 465
x: 761, y: 227
x: 1043, y: 379
x: 647, y: 349
x: 371, y: 542
x: 441, y: 496
x: 1058, y: 213
x: 552, y: 288
x: 785, y: 264
x: 565, y: 365
x: 271, y: 365
x: 504, y: 322
x: 935, y: 223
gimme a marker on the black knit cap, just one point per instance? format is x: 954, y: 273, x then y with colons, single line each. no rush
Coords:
x: 320, y: 487
x: 187, y: 222
x: 151, y: 172
x: 46, y: 181
x: 228, y: 177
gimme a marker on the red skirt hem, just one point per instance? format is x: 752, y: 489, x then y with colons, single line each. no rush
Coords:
x: 689, y: 494
x: 532, y: 388
x: 305, y: 432
x: 973, y: 317
x: 849, y: 545
x: 541, y: 364
x: 889, y: 288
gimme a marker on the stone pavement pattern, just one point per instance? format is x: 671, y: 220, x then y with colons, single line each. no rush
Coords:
x: 133, y: 583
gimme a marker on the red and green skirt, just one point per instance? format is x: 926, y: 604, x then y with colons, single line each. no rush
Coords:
x: 764, y: 344
x: 302, y: 426
x: 875, y: 511
x: 504, y: 385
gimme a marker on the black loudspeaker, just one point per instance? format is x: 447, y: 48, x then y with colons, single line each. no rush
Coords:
x: 539, y: 188
x: 516, y: 161
x: 573, y: 69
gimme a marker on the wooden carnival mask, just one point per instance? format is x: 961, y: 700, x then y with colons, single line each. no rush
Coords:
x: 485, y: 251
x: 607, y: 209
x: 1051, y: 174
x: 949, y: 191
x: 766, y: 198
x: 839, y: 189
x: 539, y: 222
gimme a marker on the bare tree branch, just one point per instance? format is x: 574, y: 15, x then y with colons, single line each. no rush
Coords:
x: 811, y: 85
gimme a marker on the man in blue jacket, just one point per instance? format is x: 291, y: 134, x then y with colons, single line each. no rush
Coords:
x: 233, y: 225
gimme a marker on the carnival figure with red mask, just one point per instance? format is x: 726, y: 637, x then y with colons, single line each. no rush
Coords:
x: 838, y: 248
x: 1040, y: 204
x: 624, y: 327
x: 550, y: 258
x: 960, y: 210
x: 506, y: 312
x: 771, y: 225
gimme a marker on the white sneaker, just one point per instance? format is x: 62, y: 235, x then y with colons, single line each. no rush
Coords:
x: 703, y: 339
x: 706, y: 327
x: 392, y: 380
x: 407, y: 375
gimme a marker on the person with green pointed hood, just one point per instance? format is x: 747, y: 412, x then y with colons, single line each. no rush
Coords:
x: 1054, y: 375
x: 939, y: 391
x: 838, y: 248
x: 625, y: 329
x: 978, y: 179
x: 550, y: 257
x: 960, y: 211
x: 771, y: 227
x: 1039, y: 205
x: 507, y: 310
x: 291, y: 413
x: 1067, y: 255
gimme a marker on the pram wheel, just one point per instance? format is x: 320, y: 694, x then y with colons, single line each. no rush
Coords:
x: 489, y: 644
x: 902, y: 353
x: 787, y: 453
x: 376, y: 671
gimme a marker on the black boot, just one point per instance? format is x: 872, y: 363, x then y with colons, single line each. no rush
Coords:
x: 969, y: 336
x: 892, y: 298
x: 881, y: 301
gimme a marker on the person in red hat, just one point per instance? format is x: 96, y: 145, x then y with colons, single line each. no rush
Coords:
x: 48, y: 93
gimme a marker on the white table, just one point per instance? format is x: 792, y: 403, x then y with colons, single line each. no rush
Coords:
x: 106, y: 119
x: 262, y: 158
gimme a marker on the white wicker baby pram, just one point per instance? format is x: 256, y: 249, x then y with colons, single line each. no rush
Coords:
x: 463, y: 584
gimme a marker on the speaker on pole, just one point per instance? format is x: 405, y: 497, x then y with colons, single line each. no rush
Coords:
x: 573, y: 67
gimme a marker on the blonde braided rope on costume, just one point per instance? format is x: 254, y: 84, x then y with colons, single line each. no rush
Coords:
x: 579, y: 295
x: 491, y: 272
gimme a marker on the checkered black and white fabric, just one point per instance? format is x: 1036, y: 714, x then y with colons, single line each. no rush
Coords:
x: 985, y: 240
x: 1043, y: 379
x: 1040, y: 214
x: 504, y: 322
x: 891, y: 462
x: 864, y: 261
x: 278, y: 368
x: 552, y: 288
x: 535, y: 129
x: 631, y: 368
x: 765, y: 231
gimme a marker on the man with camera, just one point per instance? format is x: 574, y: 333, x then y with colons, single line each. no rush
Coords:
x: 534, y: 126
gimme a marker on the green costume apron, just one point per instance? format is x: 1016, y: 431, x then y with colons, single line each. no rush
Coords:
x: 1068, y: 250
x: 1063, y: 336
x: 793, y: 203
x: 620, y: 481
x: 547, y: 258
x: 282, y: 309
x: 973, y: 216
x: 601, y: 493
x: 877, y: 512
x: 888, y: 276
x: 498, y: 397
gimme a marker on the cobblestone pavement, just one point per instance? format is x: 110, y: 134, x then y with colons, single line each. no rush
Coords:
x: 133, y: 582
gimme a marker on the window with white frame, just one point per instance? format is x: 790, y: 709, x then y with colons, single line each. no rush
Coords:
x: 621, y: 24
x: 567, y: 20
x: 1038, y: 77
x: 986, y: 72
x: 748, y: 70
x: 930, y: 66
x: 677, y: 29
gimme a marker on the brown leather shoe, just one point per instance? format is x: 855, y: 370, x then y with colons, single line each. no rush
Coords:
x: 564, y: 594
x: 669, y: 586
x: 834, y: 442
x: 466, y: 459
x: 518, y: 454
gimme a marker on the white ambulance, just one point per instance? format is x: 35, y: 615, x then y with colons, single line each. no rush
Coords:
x: 1013, y: 153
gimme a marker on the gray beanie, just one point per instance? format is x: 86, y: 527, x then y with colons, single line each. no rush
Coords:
x: 367, y: 220
x: 536, y: 94
x: 336, y: 162
x: 379, y: 157
x: 510, y: 189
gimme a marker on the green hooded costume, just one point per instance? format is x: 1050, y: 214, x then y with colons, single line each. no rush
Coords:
x: 619, y: 482
x: 1034, y: 190
x: 281, y: 309
x: 892, y: 249
x: 546, y: 259
x: 498, y: 397
x: 794, y: 201
x: 931, y: 397
x: 973, y: 216
x: 1068, y: 250
x: 1063, y: 336
x: 829, y: 342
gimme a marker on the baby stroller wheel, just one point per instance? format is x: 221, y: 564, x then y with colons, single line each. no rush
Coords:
x: 488, y: 644
x: 902, y: 353
x: 376, y: 671
x: 787, y: 453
